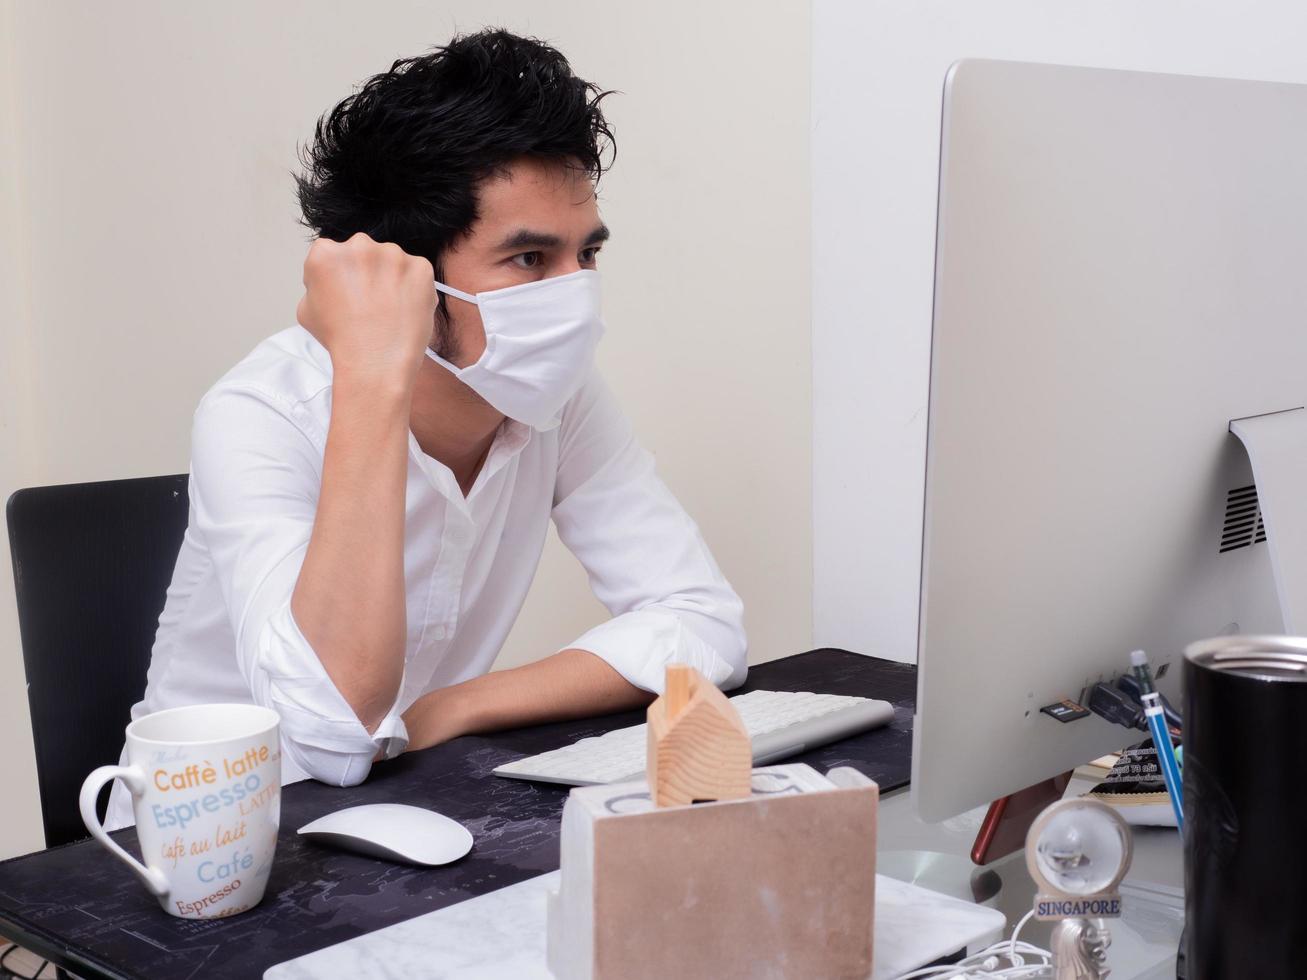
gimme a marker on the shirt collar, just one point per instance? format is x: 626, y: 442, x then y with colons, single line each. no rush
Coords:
x: 510, y: 439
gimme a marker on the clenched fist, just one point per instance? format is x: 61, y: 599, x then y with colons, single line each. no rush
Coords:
x: 371, y: 304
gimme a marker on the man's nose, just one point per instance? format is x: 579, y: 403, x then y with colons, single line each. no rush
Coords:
x: 564, y: 267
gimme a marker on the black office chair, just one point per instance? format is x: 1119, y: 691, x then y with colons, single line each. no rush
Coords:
x: 92, y: 563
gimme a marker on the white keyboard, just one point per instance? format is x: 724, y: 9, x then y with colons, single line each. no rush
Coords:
x: 780, y: 724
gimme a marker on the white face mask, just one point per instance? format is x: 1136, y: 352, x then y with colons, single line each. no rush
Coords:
x: 540, y: 343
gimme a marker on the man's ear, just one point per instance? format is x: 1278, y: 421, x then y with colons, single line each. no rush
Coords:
x: 443, y: 341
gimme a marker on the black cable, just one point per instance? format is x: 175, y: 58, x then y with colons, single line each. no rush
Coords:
x: 1116, y: 706
x: 1128, y: 684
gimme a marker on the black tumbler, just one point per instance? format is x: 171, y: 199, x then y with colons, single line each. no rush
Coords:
x: 1245, y: 808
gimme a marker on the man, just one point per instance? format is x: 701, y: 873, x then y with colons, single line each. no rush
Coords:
x: 370, y: 489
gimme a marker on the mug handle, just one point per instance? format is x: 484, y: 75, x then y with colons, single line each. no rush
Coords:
x: 134, y: 779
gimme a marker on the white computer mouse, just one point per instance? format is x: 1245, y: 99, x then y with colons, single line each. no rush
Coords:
x: 394, y: 831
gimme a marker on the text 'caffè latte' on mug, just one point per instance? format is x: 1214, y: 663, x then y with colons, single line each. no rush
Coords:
x: 207, y: 774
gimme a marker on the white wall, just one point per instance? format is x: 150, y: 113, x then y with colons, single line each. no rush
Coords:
x: 149, y: 242
x: 878, y: 72
x: 18, y: 823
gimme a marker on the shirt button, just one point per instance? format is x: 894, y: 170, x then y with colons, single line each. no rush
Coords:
x: 439, y: 632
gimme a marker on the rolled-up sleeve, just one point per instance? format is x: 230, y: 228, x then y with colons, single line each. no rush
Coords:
x: 254, y: 484
x: 646, y: 559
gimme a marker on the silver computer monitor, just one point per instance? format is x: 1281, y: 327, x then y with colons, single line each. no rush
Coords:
x: 1121, y: 269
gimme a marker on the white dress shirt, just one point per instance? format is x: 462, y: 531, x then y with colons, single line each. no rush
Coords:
x: 226, y: 633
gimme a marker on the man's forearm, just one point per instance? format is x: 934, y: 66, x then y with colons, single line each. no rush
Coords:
x: 349, y: 599
x: 569, y: 684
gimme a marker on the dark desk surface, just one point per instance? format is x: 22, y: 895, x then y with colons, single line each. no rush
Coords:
x: 83, y: 909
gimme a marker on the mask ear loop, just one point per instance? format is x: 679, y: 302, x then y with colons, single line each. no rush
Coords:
x: 456, y: 293
x: 465, y: 297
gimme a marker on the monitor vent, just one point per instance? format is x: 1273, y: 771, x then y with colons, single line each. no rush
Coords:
x: 1243, y: 520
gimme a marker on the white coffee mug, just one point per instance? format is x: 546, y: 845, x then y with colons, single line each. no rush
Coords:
x: 206, y: 790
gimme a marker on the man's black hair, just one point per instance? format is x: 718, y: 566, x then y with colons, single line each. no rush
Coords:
x: 401, y: 158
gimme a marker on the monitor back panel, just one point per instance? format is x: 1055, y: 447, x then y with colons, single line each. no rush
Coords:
x: 1121, y: 269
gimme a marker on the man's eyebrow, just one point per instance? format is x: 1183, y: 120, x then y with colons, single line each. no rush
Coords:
x: 528, y: 238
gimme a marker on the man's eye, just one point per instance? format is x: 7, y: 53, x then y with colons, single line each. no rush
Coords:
x: 589, y: 255
x: 528, y: 260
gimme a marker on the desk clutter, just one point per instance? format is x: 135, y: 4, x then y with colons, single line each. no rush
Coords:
x: 323, y: 902
x: 711, y: 868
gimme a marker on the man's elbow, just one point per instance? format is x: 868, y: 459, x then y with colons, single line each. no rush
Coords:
x: 736, y: 643
x: 722, y: 633
x: 728, y: 650
x: 737, y: 658
x: 334, y: 766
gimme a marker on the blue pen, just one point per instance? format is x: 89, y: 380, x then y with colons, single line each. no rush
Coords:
x: 1152, y: 702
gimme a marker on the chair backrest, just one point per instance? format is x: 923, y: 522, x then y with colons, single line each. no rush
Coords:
x: 92, y: 564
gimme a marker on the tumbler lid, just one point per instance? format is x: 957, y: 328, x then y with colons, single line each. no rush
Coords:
x: 1272, y: 658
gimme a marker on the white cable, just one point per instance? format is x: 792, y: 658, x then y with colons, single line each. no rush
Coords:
x: 1012, y: 944
x: 984, y: 965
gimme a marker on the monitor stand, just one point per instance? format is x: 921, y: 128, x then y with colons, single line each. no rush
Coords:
x: 1009, y: 818
x: 946, y: 874
x: 1277, y: 449
x: 1002, y: 832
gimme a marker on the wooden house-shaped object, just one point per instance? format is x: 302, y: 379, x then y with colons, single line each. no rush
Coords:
x: 698, y: 747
